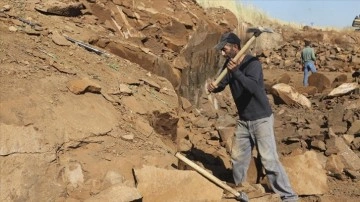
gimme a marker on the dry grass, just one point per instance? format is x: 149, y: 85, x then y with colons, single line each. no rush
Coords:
x: 245, y: 13
x: 250, y: 14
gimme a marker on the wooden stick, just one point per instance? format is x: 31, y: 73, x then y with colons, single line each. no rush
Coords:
x: 236, y: 58
x: 207, y: 175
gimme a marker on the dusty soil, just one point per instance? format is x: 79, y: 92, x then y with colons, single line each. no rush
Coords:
x: 47, y: 128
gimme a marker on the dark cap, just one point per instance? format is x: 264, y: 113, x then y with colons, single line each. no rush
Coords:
x: 228, y: 37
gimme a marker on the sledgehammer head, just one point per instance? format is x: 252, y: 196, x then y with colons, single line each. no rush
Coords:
x: 258, y: 30
x: 242, y: 197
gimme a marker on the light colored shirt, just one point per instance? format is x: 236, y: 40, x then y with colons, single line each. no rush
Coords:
x: 307, y: 54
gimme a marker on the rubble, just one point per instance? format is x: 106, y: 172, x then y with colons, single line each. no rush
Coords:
x: 147, y: 101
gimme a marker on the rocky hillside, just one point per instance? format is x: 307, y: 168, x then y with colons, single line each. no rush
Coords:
x: 98, y: 95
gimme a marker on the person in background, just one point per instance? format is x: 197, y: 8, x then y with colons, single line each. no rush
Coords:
x: 308, y: 61
x: 256, y: 120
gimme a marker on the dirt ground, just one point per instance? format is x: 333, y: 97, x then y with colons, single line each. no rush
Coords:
x: 61, y: 130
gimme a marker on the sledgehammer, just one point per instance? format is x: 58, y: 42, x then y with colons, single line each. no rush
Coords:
x: 240, y: 196
x: 257, y: 31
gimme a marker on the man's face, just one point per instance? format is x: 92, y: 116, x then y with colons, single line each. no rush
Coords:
x: 229, y: 50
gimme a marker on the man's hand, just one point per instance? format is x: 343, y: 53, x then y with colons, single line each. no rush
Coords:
x: 232, y: 65
x: 211, y: 87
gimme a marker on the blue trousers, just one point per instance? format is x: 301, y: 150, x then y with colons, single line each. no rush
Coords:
x: 308, y: 66
x: 260, y: 133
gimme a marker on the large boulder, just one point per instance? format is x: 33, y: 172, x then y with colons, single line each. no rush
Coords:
x: 156, y: 184
x: 306, y: 174
x: 343, y: 89
x: 320, y: 81
x: 290, y: 96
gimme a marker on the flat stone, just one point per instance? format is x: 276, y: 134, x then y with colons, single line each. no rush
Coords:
x: 334, y: 164
x: 128, y: 137
x: 353, y: 174
x: 124, y: 89
x: 349, y: 158
x: 80, y: 86
x: 184, y: 145
x: 73, y: 174
x: 117, y: 193
x: 59, y: 39
x: 306, y: 174
x: 132, y: 104
x: 318, y: 144
x: 355, y: 128
x: 175, y: 185
x: 20, y: 139
x: 6, y: 7
x: 343, y: 89
x: 290, y: 96
x: 144, y: 127
x: 113, y: 177
x: 348, y: 138
x: 226, y: 137
x: 355, y: 145
x: 12, y: 29
x: 186, y: 105
x: 151, y: 83
x: 202, y: 123
x: 337, y: 145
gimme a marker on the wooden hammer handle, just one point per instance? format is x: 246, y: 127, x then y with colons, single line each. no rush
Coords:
x: 207, y: 175
x: 236, y: 58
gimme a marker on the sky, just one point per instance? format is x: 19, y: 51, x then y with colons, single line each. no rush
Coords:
x: 323, y: 13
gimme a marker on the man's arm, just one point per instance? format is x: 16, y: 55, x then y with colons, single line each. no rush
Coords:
x: 249, y: 79
x: 220, y: 87
x: 302, y: 57
x: 313, y: 55
x: 222, y: 84
x: 301, y: 68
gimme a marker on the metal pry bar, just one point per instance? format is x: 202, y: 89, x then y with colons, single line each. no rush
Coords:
x: 87, y: 46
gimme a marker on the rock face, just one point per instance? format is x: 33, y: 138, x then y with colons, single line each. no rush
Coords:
x: 165, y: 40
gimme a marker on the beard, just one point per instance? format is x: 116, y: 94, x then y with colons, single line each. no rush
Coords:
x: 232, y: 53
